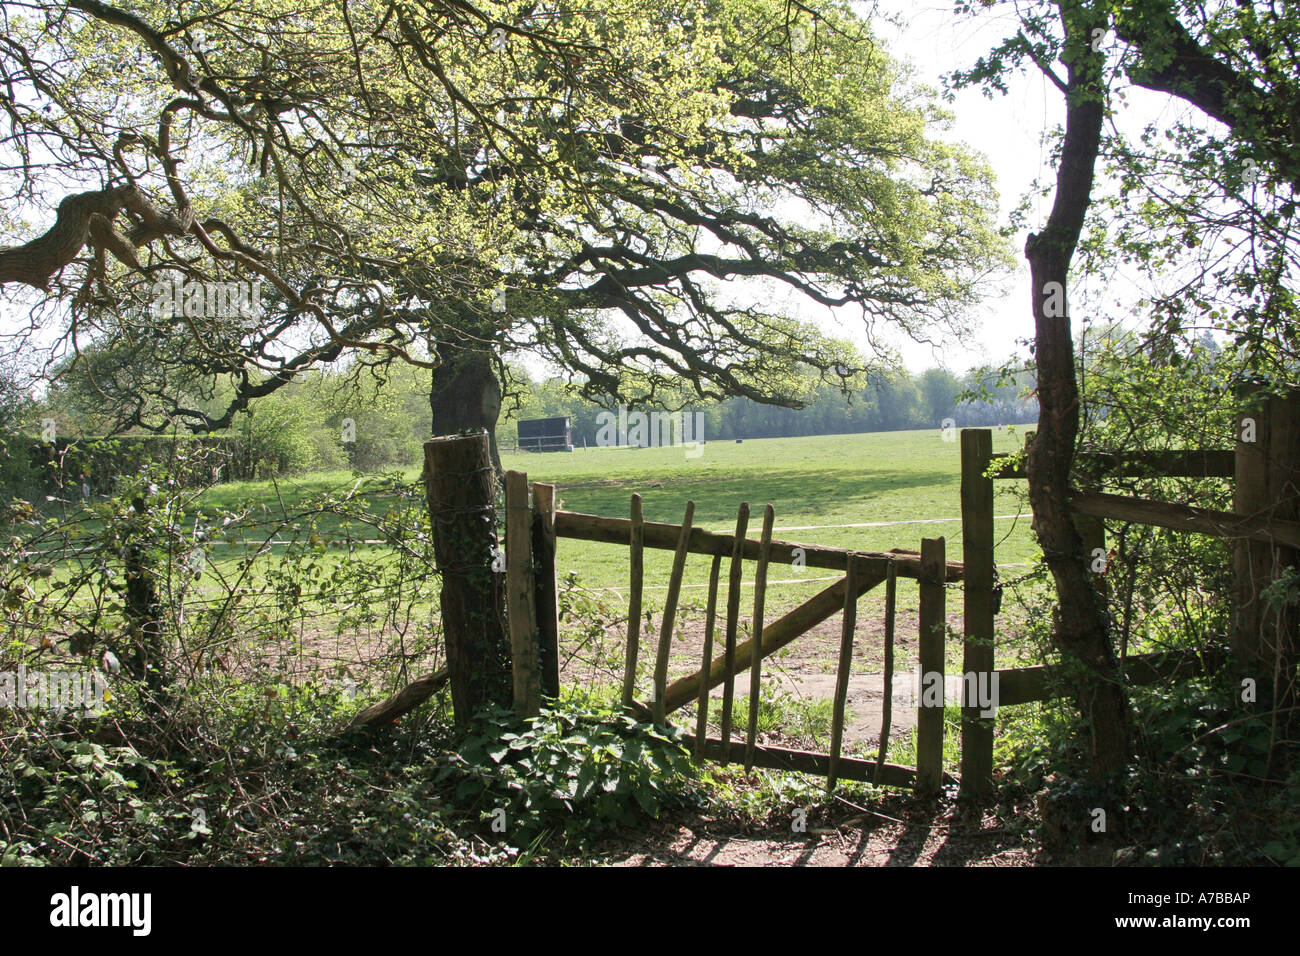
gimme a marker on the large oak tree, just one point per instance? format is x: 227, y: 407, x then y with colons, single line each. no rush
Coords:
x: 449, y: 183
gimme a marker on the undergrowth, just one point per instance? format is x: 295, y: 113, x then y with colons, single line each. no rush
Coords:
x: 269, y: 779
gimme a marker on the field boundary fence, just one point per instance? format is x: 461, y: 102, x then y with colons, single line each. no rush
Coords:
x: 1264, y: 466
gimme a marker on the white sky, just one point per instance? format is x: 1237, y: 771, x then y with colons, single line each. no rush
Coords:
x: 1009, y: 131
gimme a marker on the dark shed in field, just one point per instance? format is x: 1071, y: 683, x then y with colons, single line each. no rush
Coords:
x: 545, y: 434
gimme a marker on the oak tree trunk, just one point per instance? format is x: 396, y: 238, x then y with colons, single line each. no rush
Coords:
x: 465, y: 394
x: 461, y: 486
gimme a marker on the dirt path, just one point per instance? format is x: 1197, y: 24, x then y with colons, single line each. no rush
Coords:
x: 852, y: 839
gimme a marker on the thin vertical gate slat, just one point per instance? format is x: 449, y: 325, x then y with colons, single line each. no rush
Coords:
x: 842, y: 671
x: 756, y: 668
x: 733, y: 623
x: 670, y: 614
x: 710, y: 618
x: 887, y: 699
x: 636, y: 563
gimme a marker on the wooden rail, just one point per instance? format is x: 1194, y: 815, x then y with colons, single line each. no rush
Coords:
x: 1022, y: 685
x: 1220, y: 524
x: 584, y: 527
x: 803, y: 761
x: 1183, y: 463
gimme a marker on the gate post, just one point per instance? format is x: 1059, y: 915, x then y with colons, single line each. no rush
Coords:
x: 521, y: 608
x: 1267, y: 473
x: 461, y: 487
x: 548, y: 613
x: 930, y: 663
x: 977, y: 656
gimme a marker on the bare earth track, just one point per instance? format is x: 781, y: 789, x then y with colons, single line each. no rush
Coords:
x: 849, y: 838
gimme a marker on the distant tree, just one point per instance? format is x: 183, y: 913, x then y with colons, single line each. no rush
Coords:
x: 939, y: 391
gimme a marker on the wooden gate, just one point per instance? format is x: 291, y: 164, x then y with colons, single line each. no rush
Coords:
x: 533, y: 583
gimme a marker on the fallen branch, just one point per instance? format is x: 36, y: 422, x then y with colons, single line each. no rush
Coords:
x: 408, y: 698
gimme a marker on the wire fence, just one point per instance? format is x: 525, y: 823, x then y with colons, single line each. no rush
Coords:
x: 328, y: 588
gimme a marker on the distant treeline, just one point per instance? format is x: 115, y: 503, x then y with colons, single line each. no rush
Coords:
x: 899, y: 402
x: 319, y: 423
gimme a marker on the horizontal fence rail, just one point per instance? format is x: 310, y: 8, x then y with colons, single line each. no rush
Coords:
x: 663, y: 537
x: 1179, y: 463
x: 1178, y: 517
x: 803, y: 761
x: 1023, y: 685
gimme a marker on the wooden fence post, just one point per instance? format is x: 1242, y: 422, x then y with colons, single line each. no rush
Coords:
x: 521, y: 612
x: 636, y: 562
x: 548, y: 610
x: 930, y: 663
x: 1267, y: 472
x: 977, y: 656
x: 146, y: 660
x: 461, y: 487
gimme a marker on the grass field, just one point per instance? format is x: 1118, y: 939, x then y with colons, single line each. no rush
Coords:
x: 820, y: 487
x: 870, y: 492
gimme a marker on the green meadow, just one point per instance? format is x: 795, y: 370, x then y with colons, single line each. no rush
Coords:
x: 871, y: 492
x: 849, y: 491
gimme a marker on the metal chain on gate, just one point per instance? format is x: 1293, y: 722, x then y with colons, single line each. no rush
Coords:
x: 999, y: 585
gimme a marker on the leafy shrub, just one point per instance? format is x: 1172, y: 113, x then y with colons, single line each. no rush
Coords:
x: 581, y: 768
